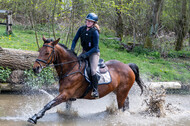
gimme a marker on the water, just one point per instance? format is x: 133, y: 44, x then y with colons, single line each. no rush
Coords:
x: 16, y: 109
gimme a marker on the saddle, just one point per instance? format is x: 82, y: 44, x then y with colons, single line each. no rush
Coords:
x: 102, y: 72
x: 104, y: 76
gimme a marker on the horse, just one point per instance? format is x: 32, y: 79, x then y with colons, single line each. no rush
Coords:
x: 72, y: 83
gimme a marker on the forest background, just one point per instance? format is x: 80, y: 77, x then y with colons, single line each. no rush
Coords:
x: 154, y: 34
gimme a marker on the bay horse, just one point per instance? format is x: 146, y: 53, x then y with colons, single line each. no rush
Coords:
x: 72, y: 83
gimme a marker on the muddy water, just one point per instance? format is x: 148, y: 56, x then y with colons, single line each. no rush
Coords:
x: 16, y: 109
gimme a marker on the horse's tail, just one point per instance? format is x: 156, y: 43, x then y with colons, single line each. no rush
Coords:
x: 135, y: 69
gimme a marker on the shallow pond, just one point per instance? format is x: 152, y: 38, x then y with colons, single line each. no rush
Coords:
x: 16, y: 109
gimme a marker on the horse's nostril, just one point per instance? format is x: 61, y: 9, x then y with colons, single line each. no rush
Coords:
x: 35, y: 69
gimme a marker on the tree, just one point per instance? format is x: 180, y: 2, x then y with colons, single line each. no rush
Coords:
x: 181, y: 26
x: 157, y: 7
x: 155, y: 20
x: 189, y: 22
x: 53, y: 18
x: 119, y: 20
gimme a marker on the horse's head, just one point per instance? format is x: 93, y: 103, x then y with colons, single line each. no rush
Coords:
x: 46, y: 55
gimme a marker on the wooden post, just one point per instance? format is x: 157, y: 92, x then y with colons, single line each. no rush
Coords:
x: 9, y: 23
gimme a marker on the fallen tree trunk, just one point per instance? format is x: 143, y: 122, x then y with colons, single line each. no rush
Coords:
x: 17, y: 59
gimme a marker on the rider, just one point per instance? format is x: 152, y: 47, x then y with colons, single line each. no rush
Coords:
x: 89, y: 35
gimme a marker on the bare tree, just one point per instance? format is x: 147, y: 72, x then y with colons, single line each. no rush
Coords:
x: 181, y: 26
x: 119, y: 21
x: 53, y: 18
x: 157, y: 7
x: 189, y: 24
x: 33, y: 19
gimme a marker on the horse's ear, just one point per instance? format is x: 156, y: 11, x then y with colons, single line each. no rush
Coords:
x: 43, y: 38
x: 56, y: 41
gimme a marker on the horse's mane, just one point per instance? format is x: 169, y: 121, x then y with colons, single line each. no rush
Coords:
x: 65, y: 47
x: 62, y: 45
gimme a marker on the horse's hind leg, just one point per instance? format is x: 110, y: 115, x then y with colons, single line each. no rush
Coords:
x: 68, y: 105
x: 126, y: 104
x: 122, y: 99
x: 122, y: 96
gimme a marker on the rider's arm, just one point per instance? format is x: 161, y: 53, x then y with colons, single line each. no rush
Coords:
x: 75, y: 39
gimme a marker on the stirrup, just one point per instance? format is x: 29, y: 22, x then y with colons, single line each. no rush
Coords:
x: 95, y: 94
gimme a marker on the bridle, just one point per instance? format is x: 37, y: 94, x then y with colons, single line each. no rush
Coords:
x: 51, y: 61
x: 44, y: 61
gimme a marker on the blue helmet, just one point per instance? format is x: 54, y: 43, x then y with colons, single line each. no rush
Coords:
x: 92, y: 17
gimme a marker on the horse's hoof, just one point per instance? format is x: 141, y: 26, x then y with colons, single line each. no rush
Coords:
x: 30, y: 120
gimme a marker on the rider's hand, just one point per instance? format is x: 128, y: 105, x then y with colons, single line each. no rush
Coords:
x: 82, y: 57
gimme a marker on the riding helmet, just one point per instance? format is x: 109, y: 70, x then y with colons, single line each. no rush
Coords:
x: 92, y: 17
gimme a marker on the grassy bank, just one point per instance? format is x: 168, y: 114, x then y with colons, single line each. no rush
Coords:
x: 151, y: 68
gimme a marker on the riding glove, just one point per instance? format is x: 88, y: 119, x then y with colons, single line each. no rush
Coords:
x: 82, y: 57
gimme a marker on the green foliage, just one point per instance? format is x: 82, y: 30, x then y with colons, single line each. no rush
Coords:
x: 179, y: 54
x: 111, y: 43
x: 140, y: 50
x: 45, y: 78
x: 4, y: 73
x: 155, y: 54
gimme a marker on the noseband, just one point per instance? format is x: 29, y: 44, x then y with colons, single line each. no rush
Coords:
x: 43, y: 61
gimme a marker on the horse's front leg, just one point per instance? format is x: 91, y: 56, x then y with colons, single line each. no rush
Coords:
x: 48, y: 106
x: 41, y: 113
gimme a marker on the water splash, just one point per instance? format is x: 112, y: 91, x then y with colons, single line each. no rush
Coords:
x: 48, y: 94
x: 155, y: 101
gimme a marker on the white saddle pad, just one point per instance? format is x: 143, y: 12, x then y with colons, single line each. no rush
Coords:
x: 105, y: 78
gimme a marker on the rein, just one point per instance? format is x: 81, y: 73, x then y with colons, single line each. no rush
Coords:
x: 48, y: 64
x: 63, y: 63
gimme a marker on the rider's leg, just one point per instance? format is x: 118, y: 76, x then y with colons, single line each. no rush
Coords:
x: 94, y: 59
x: 94, y: 81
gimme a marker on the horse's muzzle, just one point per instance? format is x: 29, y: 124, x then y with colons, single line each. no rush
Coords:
x: 37, y: 69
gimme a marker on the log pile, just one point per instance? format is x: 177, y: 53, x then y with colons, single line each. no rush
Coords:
x: 17, y: 59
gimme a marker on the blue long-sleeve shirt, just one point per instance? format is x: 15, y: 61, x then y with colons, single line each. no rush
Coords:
x: 89, y: 40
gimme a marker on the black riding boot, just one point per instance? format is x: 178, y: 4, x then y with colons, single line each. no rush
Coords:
x: 95, y: 93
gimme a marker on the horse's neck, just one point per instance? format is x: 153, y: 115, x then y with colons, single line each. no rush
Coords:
x: 62, y: 59
x: 70, y: 68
